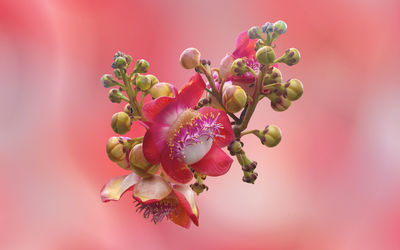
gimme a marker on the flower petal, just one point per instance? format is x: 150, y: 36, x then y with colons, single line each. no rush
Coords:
x: 180, y: 217
x: 175, y: 169
x: 151, y: 189
x: 191, y: 93
x: 244, y: 46
x: 152, y: 108
x: 227, y: 135
x: 117, y: 186
x: 215, y: 163
x: 186, y: 198
x: 225, y: 66
x: 154, y: 142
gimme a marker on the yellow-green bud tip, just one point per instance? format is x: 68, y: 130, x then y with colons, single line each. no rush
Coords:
x: 162, y: 89
x: 294, y: 89
x: 121, y: 123
x: 115, y: 95
x: 142, y: 66
x: 239, y: 67
x: 270, y: 136
x: 143, y: 82
x: 265, y: 55
x: 291, y: 57
x: 234, y: 98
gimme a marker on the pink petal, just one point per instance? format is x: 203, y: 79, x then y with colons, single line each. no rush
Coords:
x: 175, y: 169
x: 244, y: 46
x: 215, y: 163
x: 191, y: 93
x: 225, y: 66
x: 151, y: 189
x: 117, y: 186
x: 154, y: 142
x: 186, y: 198
x: 227, y: 132
x: 151, y: 109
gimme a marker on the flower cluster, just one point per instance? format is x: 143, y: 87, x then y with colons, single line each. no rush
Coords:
x: 186, y: 130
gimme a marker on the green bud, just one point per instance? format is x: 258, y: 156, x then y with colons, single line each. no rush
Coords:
x: 153, y: 79
x: 294, y: 89
x: 128, y: 109
x: 235, y: 147
x: 254, y: 32
x: 259, y: 44
x: 118, y: 74
x: 234, y: 98
x: 119, y: 62
x: 115, y: 149
x: 115, y: 96
x: 142, y: 66
x: 270, y: 136
x: 128, y: 59
x: 239, y: 67
x: 280, y: 104
x: 121, y: 123
x: 107, y: 81
x: 265, y: 55
x: 143, y: 82
x: 139, y: 163
x: 274, y: 77
x: 291, y: 57
x: 280, y: 27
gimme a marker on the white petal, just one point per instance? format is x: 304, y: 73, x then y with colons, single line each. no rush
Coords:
x: 195, y: 152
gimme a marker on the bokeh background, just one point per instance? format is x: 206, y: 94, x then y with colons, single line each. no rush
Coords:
x: 332, y: 183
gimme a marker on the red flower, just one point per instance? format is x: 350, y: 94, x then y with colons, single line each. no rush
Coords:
x: 179, y: 136
x: 155, y: 197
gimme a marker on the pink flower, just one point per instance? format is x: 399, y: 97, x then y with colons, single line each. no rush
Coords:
x: 179, y: 136
x: 244, y: 48
x: 155, y: 198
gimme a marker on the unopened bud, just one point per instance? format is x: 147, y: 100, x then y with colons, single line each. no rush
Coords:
x: 118, y: 74
x: 153, y: 79
x: 115, y: 149
x: 265, y: 55
x: 115, y: 96
x: 119, y: 63
x: 267, y: 27
x: 274, y: 77
x: 143, y: 82
x: 107, y: 81
x: 270, y: 136
x: 235, y: 147
x: 280, y: 104
x: 121, y: 123
x: 254, y: 32
x: 142, y: 66
x: 190, y: 58
x: 291, y: 57
x: 239, y: 67
x: 234, y: 98
x: 294, y: 89
x: 162, y: 89
x: 139, y: 163
x: 128, y: 109
x: 280, y: 27
x: 259, y: 44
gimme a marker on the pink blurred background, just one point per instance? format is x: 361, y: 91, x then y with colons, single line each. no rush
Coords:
x: 332, y: 183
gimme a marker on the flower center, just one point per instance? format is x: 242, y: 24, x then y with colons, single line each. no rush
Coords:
x: 158, y: 210
x: 192, y: 135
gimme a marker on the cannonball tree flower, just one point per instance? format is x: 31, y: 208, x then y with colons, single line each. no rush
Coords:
x: 180, y: 137
x: 155, y: 197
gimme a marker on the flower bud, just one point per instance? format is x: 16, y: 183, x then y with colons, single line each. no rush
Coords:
x: 115, y: 96
x: 190, y: 58
x: 235, y: 147
x: 291, y: 57
x: 121, y: 123
x: 143, y: 82
x: 234, y: 98
x: 115, y: 149
x: 128, y: 109
x: 265, y: 55
x: 142, y: 66
x: 270, y: 136
x: 254, y: 33
x: 162, y: 89
x: 107, y: 81
x: 280, y: 104
x: 239, y: 67
x: 294, y: 89
x: 274, y: 77
x: 128, y: 59
x: 267, y: 27
x: 259, y: 44
x: 119, y: 63
x: 137, y: 159
x: 225, y: 66
x: 280, y: 27
x: 118, y: 74
x: 153, y: 79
